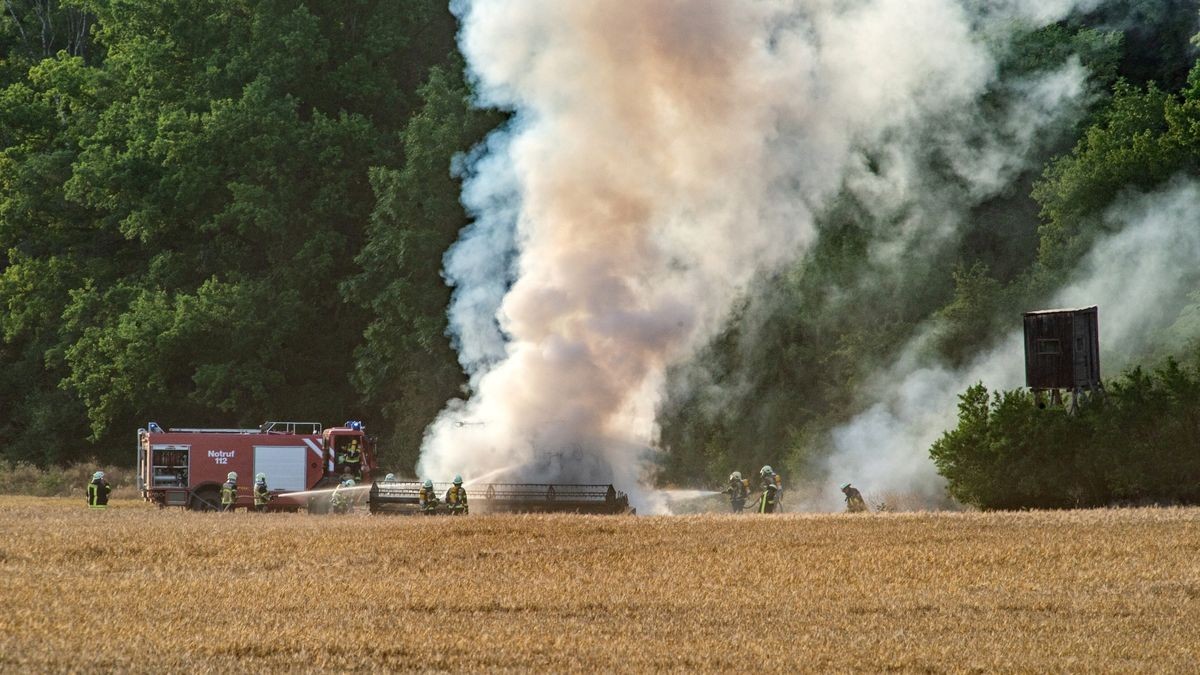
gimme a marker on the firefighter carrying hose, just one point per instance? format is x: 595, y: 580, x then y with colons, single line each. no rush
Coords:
x: 738, y: 491
x: 456, y: 498
x: 339, y: 501
x: 427, y: 499
x: 97, y: 491
x: 261, y: 494
x: 229, y: 492
x: 769, y: 501
x: 854, y: 499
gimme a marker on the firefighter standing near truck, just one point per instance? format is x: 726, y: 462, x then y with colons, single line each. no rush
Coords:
x: 738, y: 491
x: 229, y: 492
x: 427, y: 498
x: 769, y: 501
x: 97, y: 491
x: 353, y: 459
x: 261, y: 494
x: 456, y: 498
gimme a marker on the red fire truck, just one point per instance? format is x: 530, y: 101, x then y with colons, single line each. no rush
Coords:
x: 186, y: 467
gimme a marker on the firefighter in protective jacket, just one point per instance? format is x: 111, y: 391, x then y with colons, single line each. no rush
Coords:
x: 769, y: 501
x: 97, y: 491
x: 353, y: 459
x: 456, y: 498
x: 427, y: 499
x: 738, y: 491
x: 261, y: 494
x: 339, y: 502
x: 854, y: 499
x: 229, y: 492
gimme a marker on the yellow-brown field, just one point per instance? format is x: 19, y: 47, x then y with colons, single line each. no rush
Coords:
x: 135, y: 588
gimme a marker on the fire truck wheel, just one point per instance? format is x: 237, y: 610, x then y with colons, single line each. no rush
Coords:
x: 205, y: 499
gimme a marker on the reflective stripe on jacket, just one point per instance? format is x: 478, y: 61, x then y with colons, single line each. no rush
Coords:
x: 97, y: 493
x: 456, y: 495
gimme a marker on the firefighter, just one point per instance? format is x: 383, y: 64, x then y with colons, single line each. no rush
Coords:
x: 353, y: 459
x: 456, y: 498
x: 738, y: 490
x: 339, y: 502
x: 427, y: 498
x: 769, y: 500
x: 261, y: 494
x: 229, y: 492
x: 854, y: 499
x: 97, y: 491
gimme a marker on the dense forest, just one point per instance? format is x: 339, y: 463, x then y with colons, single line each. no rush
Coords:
x: 216, y: 213
x: 219, y: 213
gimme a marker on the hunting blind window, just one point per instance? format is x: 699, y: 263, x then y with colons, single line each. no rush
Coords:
x: 1048, y: 347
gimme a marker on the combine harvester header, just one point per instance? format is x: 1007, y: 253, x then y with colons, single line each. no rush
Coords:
x: 404, y: 496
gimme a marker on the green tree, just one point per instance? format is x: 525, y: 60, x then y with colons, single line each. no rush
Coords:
x: 1139, y: 443
x: 177, y: 216
x: 405, y: 364
x: 1142, y: 139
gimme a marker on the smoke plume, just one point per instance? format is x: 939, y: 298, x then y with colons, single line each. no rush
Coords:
x: 663, y: 154
x: 1139, y: 278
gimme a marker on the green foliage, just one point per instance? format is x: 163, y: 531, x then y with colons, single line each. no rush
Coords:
x: 1138, y: 443
x: 405, y: 364
x: 22, y: 478
x: 180, y: 207
x: 1156, y: 36
x: 1142, y: 139
x: 974, y: 311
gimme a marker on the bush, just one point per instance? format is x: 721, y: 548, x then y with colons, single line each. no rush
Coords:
x: 21, y: 478
x: 1139, y: 443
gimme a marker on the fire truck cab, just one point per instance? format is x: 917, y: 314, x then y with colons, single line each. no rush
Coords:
x: 186, y: 467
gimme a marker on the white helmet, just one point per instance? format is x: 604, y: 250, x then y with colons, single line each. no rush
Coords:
x: 98, y: 475
x: 766, y: 471
x: 349, y: 482
x: 232, y: 475
x: 389, y: 478
x: 736, y: 475
x: 262, y: 478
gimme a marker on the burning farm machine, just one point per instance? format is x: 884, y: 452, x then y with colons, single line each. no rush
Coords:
x: 403, y: 497
x: 186, y: 467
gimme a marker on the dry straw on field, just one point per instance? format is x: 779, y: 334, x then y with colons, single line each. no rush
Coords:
x: 140, y: 589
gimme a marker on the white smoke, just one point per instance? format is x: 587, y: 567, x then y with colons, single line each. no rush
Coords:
x: 1139, y: 278
x: 662, y: 154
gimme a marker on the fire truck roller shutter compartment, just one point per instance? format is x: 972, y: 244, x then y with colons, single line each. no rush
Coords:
x: 284, y: 466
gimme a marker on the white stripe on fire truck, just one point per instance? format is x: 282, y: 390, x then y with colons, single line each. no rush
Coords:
x: 315, y: 448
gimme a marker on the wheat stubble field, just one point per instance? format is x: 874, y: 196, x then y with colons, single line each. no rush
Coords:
x: 137, y: 589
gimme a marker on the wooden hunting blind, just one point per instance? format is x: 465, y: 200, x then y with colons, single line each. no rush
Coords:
x: 1062, y: 349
